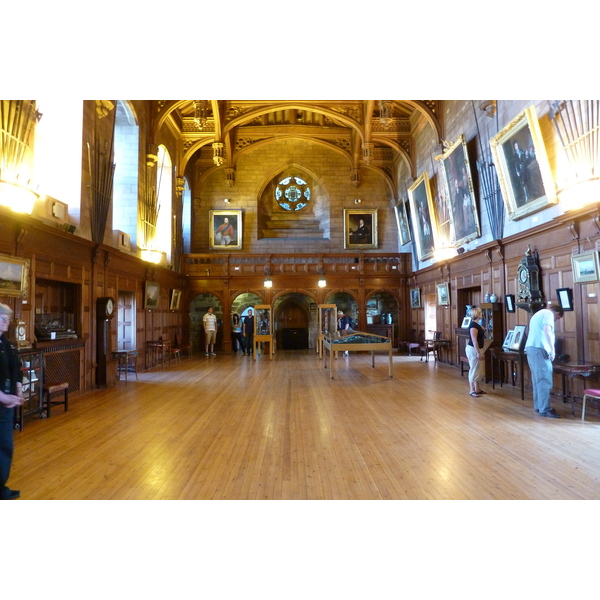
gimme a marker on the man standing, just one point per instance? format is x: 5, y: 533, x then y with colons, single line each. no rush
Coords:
x: 540, y: 354
x: 11, y: 396
x: 210, y: 331
x: 248, y: 333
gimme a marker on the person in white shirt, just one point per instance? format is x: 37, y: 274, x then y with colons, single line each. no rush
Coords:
x: 540, y: 354
x: 210, y: 331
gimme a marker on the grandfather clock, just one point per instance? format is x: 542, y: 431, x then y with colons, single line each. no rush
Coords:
x: 105, y: 372
x: 529, y: 293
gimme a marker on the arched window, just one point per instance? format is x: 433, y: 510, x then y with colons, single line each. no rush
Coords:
x: 125, y: 187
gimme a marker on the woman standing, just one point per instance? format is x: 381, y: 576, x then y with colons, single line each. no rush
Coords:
x: 474, y: 351
x: 236, y: 328
x: 11, y: 395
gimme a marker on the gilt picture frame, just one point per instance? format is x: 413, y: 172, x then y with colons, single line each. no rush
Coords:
x: 423, y: 216
x: 151, y: 295
x: 175, y: 299
x: 14, y: 276
x: 459, y: 192
x: 225, y: 229
x: 415, y: 298
x: 443, y: 294
x: 522, y: 166
x: 360, y: 228
x: 585, y: 267
x: 402, y: 222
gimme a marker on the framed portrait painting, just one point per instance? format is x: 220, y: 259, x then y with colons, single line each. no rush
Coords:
x: 443, y: 294
x: 585, y: 267
x: 402, y: 222
x: 151, y: 295
x: 175, y: 298
x: 522, y: 166
x: 508, y: 340
x: 14, y: 276
x: 459, y: 192
x: 360, y: 228
x: 225, y: 229
x: 423, y: 216
x: 415, y: 298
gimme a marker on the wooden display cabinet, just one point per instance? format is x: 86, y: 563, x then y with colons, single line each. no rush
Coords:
x: 33, y: 380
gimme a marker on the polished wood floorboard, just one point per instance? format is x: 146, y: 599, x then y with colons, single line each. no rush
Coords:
x: 229, y: 427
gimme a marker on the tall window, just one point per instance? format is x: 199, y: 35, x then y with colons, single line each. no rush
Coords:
x: 57, y: 151
x: 186, y: 221
x: 125, y: 187
x: 164, y: 191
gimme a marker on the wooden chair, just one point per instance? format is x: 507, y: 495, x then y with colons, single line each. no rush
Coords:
x: 53, y: 387
x: 464, y: 365
x: 174, y: 352
x: 183, y: 347
x: 592, y: 394
x: 413, y: 342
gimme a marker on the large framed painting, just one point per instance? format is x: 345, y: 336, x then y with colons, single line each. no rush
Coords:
x: 423, y: 216
x: 402, y: 222
x: 175, y: 299
x: 360, y: 228
x: 460, y: 196
x: 225, y: 230
x: 14, y: 276
x: 522, y: 165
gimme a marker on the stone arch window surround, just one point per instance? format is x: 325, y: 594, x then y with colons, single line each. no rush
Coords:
x: 312, y: 221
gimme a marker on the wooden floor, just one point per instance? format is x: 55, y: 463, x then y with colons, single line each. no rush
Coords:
x: 229, y: 427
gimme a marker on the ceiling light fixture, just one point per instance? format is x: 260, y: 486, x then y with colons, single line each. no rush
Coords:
x: 200, y: 113
x: 385, y: 117
x: 268, y: 283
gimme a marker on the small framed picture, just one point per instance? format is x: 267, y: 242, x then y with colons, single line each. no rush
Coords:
x: 466, y: 322
x: 518, y: 339
x: 443, y: 294
x: 508, y: 340
x: 585, y: 267
x: 509, y: 300
x: 415, y: 298
x: 565, y: 298
x: 175, y: 298
x: 151, y: 295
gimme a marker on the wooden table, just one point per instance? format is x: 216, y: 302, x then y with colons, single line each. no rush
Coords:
x: 570, y: 370
x: 157, y: 351
x: 511, y: 357
x: 126, y: 359
x: 437, y: 346
x: 355, y: 342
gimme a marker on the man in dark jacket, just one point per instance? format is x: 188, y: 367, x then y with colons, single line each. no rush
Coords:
x: 11, y: 396
x: 248, y: 333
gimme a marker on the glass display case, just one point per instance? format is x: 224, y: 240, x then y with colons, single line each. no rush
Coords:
x: 33, y: 378
x: 263, y: 329
x: 327, y: 324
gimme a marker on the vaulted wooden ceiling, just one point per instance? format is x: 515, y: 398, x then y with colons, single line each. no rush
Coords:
x: 355, y: 128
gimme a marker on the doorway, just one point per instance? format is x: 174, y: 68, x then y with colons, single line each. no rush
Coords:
x: 430, y: 315
x: 126, y: 339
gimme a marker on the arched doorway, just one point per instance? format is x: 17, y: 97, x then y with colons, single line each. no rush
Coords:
x: 295, y: 321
